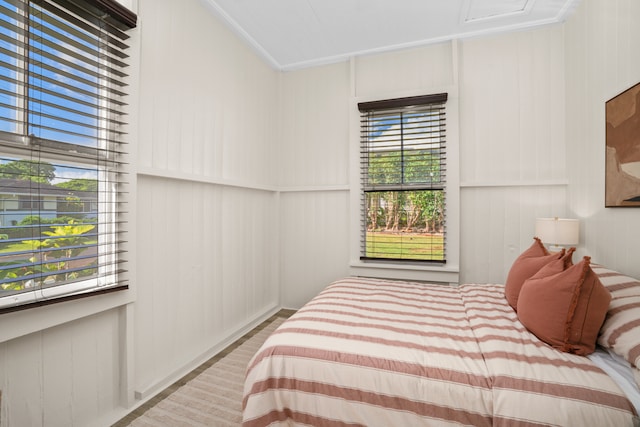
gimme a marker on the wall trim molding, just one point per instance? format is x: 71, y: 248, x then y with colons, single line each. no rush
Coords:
x: 203, y: 179
x: 541, y: 183
x: 182, y: 176
x: 143, y: 394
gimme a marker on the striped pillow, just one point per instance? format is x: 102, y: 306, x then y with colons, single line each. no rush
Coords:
x: 621, y: 329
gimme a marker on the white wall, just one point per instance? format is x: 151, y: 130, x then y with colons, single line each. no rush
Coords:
x: 242, y: 193
x: 206, y: 121
x: 62, y: 376
x: 207, y: 209
x: 506, y: 93
x: 533, y: 103
x: 319, y: 146
x: 512, y: 145
x: 603, y: 41
x: 313, y: 176
x: 420, y: 71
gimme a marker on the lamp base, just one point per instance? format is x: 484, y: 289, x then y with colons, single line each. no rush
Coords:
x: 555, y: 248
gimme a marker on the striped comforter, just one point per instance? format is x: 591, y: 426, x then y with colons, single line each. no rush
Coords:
x: 369, y: 352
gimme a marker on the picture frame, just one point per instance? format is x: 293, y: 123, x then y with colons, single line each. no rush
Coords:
x: 622, y: 169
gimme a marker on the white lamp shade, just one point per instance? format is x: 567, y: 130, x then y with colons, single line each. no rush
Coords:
x: 558, y: 231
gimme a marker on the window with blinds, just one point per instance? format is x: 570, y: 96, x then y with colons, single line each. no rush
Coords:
x: 62, y: 153
x: 403, y: 173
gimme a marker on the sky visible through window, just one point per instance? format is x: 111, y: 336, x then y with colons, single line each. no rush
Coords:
x: 62, y: 88
x: 62, y: 93
x: 403, y: 181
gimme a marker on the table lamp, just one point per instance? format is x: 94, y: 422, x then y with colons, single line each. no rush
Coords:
x: 558, y: 232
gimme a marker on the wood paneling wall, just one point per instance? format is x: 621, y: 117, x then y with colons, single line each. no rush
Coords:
x: 407, y: 71
x: 206, y: 230
x: 512, y: 146
x: 313, y: 149
x: 62, y: 376
x: 207, y: 207
x: 242, y: 191
x: 211, y: 270
x: 602, y: 60
x: 314, y: 242
x: 511, y: 108
x: 314, y: 181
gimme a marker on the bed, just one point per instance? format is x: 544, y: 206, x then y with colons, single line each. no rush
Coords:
x: 373, y: 352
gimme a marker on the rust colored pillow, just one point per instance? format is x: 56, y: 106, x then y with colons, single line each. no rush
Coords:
x: 525, y: 266
x: 565, y: 307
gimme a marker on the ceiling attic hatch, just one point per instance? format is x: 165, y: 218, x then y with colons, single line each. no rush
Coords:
x: 294, y: 34
x: 480, y: 9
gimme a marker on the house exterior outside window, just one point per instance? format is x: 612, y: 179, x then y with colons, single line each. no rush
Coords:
x: 403, y: 179
x: 63, y: 80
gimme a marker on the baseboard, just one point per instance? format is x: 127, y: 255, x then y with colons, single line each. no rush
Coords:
x: 143, y: 395
x: 152, y: 390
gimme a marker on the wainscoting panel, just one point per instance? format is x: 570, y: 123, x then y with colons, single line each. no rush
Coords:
x: 498, y: 223
x: 314, y: 149
x: 245, y: 175
x: 405, y: 71
x: 206, y: 208
x: 602, y: 62
x: 512, y: 146
x: 211, y: 270
x: 72, y: 366
x: 314, y: 243
x: 512, y: 108
x: 208, y: 104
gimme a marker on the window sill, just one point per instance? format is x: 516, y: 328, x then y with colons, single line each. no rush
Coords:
x: 37, y: 319
x: 422, y: 273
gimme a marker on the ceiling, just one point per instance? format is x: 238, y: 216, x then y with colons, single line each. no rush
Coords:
x: 291, y: 34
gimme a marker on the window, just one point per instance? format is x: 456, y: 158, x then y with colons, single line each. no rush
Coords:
x: 62, y: 152
x: 403, y: 171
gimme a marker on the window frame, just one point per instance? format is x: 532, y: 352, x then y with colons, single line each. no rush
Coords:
x: 400, y: 116
x: 447, y: 273
x: 107, y: 13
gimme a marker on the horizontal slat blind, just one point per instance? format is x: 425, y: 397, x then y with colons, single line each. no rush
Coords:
x: 403, y: 177
x: 63, y: 157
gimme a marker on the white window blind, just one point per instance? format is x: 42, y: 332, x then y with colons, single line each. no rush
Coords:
x: 403, y: 174
x: 63, y: 89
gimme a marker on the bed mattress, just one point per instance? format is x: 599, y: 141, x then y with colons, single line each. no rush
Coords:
x: 371, y: 352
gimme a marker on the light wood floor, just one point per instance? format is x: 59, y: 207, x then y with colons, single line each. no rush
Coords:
x: 182, y: 381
